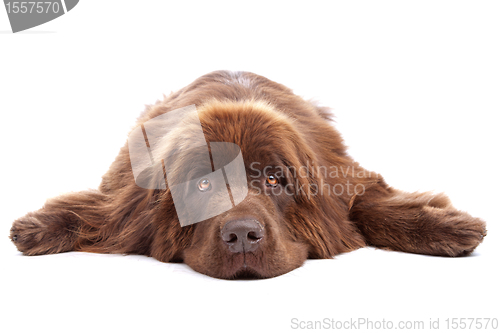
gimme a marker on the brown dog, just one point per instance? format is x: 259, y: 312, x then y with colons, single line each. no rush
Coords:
x: 304, y: 196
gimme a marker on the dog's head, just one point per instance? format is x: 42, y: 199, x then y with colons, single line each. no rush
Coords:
x: 272, y: 221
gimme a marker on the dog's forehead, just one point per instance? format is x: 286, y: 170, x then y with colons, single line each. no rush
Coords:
x: 262, y: 132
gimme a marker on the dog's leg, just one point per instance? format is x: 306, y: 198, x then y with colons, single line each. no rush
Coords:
x: 414, y: 222
x: 57, y: 226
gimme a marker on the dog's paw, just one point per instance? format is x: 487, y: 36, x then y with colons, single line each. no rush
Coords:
x: 27, y: 234
x: 32, y: 235
x: 456, y: 233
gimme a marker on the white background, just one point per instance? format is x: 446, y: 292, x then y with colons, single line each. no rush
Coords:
x: 415, y: 88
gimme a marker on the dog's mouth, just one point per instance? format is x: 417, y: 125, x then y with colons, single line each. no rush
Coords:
x: 247, y: 273
x: 244, y: 266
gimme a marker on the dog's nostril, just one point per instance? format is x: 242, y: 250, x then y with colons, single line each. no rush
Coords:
x: 253, y: 236
x: 242, y: 235
x: 232, y: 238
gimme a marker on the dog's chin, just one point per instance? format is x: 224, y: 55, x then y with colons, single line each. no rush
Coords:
x: 246, y: 273
x: 235, y: 267
x: 241, y: 273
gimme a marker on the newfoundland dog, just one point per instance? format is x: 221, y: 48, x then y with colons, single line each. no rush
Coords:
x: 238, y: 177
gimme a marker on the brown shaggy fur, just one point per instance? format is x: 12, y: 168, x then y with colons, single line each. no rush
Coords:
x: 275, y: 128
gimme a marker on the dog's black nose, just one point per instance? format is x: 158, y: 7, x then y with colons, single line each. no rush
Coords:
x: 242, y: 235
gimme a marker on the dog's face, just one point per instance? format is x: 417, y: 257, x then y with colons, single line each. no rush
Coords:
x: 263, y: 235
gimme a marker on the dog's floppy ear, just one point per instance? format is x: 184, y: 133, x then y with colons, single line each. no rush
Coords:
x: 319, y: 217
x: 415, y: 222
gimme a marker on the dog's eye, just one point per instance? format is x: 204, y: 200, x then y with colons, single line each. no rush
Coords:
x: 204, y: 185
x: 271, y: 180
